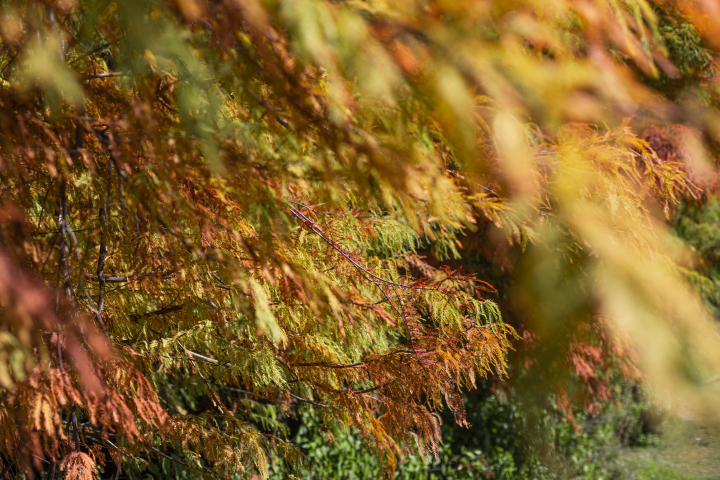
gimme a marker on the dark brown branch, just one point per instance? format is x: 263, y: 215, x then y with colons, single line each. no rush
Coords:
x: 188, y: 246
x: 64, y: 274
x: 96, y: 50
x: 351, y: 365
x: 305, y: 400
x: 120, y: 451
x: 160, y: 311
x: 103, y: 251
x: 64, y: 260
x: 331, y: 364
x: 124, y: 454
x: 76, y: 429
x: 297, y: 379
x: 10, y: 62
x: 371, y: 389
x: 179, y: 462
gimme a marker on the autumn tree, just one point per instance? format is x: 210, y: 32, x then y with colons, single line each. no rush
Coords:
x: 215, y: 211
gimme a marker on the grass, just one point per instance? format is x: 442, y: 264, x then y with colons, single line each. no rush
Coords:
x: 686, y: 450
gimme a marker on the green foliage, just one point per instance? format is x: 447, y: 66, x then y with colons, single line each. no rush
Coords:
x: 697, y: 225
x: 688, y: 52
x: 651, y: 471
x: 509, y: 438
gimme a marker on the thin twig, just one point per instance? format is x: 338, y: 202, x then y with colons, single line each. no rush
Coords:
x: 297, y: 379
x: 76, y: 434
x: 372, y: 389
x: 117, y: 279
x: 319, y: 232
x: 103, y: 251
x: 331, y: 364
x: 352, y: 365
x: 64, y: 275
x: 105, y: 75
x: 203, y: 357
x: 369, y: 275
x: 95, y: 50
x: 211, y: 391
x: 305, y: 400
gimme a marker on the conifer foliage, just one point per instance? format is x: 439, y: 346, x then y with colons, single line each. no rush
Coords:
x: 211, y: 213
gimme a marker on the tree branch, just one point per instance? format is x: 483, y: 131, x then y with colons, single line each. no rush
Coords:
x: 305, y: 400
x: 118, y: 279
x: 105, y: 75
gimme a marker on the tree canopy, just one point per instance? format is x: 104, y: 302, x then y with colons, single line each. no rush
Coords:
x: 214, y: 211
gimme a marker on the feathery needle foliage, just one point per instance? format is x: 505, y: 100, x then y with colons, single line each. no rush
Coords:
x: 215, y: 211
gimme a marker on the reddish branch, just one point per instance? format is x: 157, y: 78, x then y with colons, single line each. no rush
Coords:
x: 368, y: 275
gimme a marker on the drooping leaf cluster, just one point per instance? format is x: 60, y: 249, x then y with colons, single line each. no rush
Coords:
x: 212, y: 211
